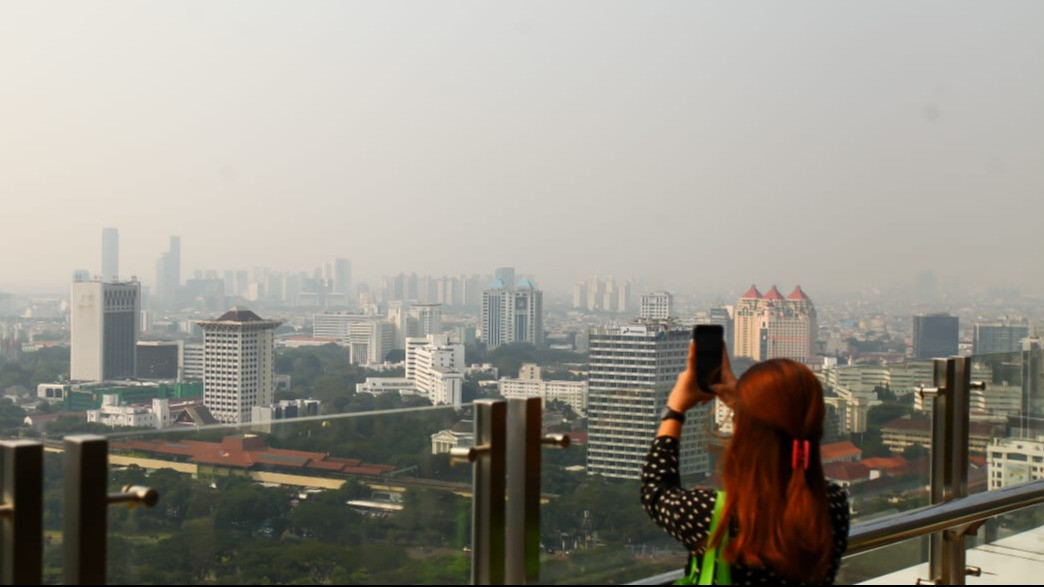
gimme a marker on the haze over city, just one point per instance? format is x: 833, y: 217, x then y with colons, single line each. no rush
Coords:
x: 694, y: 146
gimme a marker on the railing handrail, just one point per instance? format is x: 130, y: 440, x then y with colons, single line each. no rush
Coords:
x: 873, y: 534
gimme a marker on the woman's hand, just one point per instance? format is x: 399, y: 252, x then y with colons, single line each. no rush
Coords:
x: 726, y: 390
x: 687, y: 392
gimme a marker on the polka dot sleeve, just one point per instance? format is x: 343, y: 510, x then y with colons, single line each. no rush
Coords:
x: 684, y: 513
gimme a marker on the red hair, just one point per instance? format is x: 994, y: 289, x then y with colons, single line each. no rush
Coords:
x: 780, y: 512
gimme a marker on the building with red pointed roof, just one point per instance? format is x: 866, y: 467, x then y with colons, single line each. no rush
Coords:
x: 770, y: 326
x: 752, y: 293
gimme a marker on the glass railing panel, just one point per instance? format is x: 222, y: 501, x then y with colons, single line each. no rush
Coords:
x: 900, y: 563
x: 1009, y: 549
x: 876, y: 437
x: 347, y: 498
x: 593, y: 529
x: 1006, y: 433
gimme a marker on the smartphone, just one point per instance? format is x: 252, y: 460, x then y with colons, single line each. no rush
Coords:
x: 710, y: 342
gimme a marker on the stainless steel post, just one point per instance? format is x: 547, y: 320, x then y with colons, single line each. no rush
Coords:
x: 86, y: 504
x: 523, y: 490
x: 949, y: 458
x: 21, y: 512
x: 87, y: 500
x: 487, y: 523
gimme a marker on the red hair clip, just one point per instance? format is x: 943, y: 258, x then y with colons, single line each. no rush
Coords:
x: 801, y: 454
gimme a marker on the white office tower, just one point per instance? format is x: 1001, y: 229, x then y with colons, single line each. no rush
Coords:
x: 633, y: 369
x: 370, y: 341
x: 105, y: 329
x: 428, y: 319
x: 658, y: 305
x: 238, y: 364
x: 110, y: 270
x: 192, y: 359
x: 436, y: 367
x: 336, y: 325
x: 511, y: 315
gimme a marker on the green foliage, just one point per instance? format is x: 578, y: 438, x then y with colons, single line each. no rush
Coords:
x: 11, y: 416
x: 43, y: 366
x: 508, y: 358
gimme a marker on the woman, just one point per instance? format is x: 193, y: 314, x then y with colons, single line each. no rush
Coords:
x: 785, y: 523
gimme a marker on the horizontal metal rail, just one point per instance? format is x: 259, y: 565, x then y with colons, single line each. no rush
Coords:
x: 966, y: 510
x: 877, y: 533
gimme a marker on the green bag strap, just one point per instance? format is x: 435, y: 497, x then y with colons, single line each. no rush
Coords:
x: 713, y: 570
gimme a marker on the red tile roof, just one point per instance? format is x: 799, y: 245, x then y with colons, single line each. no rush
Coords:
x: 836, y: 451
x: 797, y: 294
x: 773, y: 294
x: 752, y: 293
x: 846, y: 472
x: 888, y: 464
x: 246, y: 451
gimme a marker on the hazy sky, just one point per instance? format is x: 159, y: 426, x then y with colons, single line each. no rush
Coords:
x: 836, y: 144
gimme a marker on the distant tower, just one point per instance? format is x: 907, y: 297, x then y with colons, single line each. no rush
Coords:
x: 658, y: 305
x: 110, y: 270
x: 512, y: 314
x: 168, y: 273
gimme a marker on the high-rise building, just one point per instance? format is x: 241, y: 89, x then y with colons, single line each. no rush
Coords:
x: 428, y: 317
x: 770, y: 326
x: 935, y: 335
x: 722, y: 316
x: 1001, y: 337
x: 336, y: 325
x: 110, y: 270
x: 511, y: 315
x: 436, y: 367
x: 238, y: 364
x: 168, y: 274
x: 658, y: 305
x: 104, y: 327
x: 632, y: 371
x: 370, y: 341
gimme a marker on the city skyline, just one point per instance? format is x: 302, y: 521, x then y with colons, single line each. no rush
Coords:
x: 339, y: 147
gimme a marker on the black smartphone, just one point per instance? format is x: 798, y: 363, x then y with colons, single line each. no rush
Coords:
x: 710, y: 342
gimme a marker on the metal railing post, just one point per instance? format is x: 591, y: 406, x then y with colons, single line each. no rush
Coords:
x: 21, y: 513
x: 523, y: 490
x: 87, y: 500
x: 86, y: 490
x: 525, y: 441
x: 949, y: 462
x: 488, y: 490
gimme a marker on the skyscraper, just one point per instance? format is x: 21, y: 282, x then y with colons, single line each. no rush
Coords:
x: 168, y: 274
x: 238, y: 364
x: 935, y: 335
x: 104, y: 327
x: 110, y: 269
x: 658, y: 305
x: 633, y: 369
x: 512, y: 315
x: 428, y: 318
x: 770, y: 326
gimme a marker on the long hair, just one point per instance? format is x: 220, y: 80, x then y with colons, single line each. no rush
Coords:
x: 780, y: 512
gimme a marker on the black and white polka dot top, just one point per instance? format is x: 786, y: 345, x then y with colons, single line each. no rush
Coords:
x: 686, y: 513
